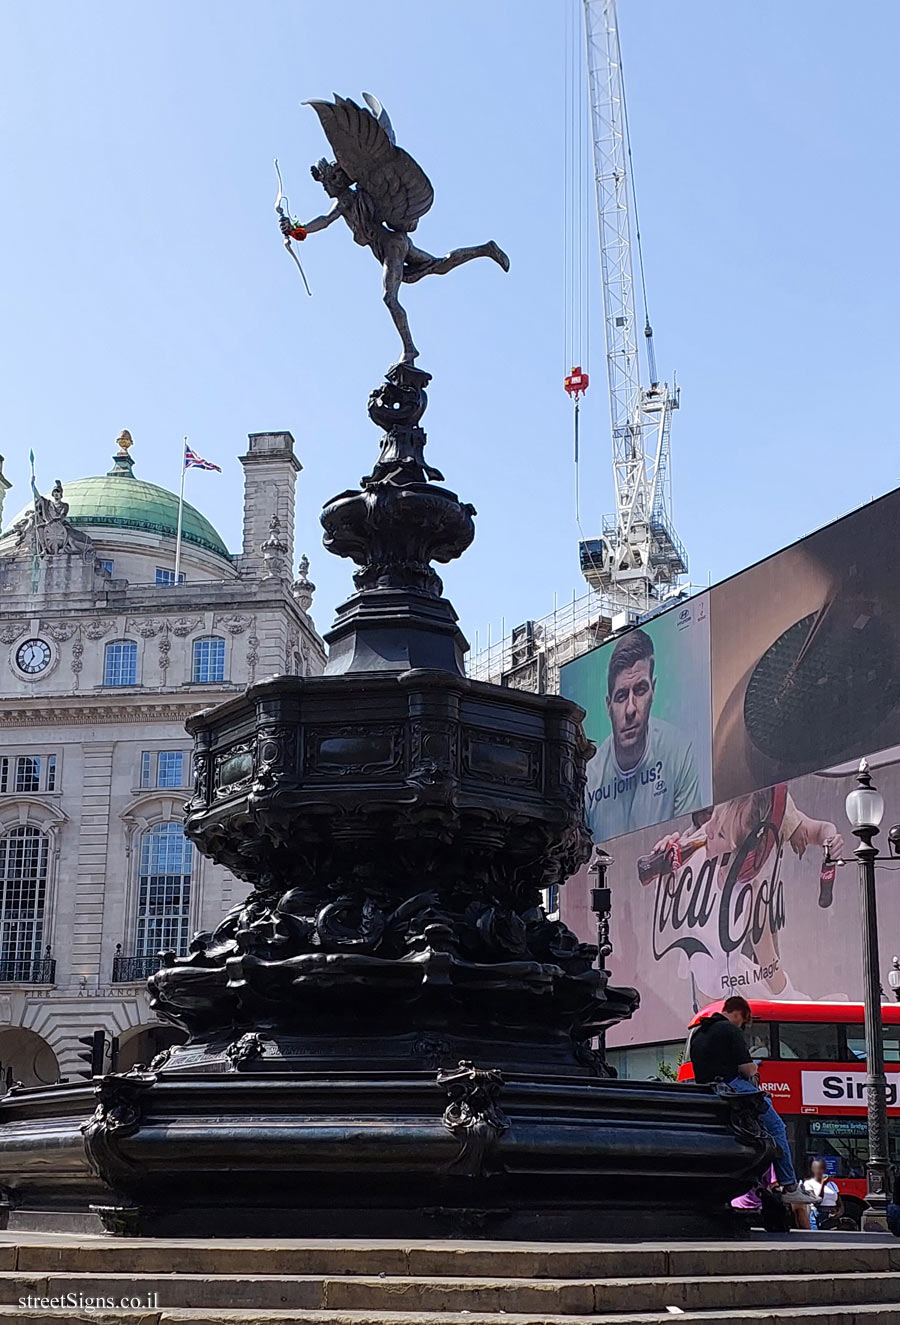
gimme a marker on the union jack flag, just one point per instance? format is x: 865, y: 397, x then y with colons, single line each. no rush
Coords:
x: 194, y: 461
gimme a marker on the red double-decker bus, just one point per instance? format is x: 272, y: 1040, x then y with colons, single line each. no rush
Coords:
x: 812, y: 1061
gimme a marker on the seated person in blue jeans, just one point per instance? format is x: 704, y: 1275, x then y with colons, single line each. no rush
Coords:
x: 719, y: 1052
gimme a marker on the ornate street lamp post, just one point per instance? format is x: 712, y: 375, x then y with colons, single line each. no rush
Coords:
x: 894, y: 978
x: 601, y: 903
x: 865, y: 810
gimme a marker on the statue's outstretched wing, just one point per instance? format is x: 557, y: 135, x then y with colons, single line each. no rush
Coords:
x: 364, y: 149
x: 381, y: 115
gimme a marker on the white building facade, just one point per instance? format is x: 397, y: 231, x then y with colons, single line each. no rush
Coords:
x: 102, y: 659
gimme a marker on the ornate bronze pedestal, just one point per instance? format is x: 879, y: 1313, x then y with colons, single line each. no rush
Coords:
x: 388, y: 1036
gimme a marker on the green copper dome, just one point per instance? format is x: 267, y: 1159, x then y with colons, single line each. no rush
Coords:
x: 118, y: 500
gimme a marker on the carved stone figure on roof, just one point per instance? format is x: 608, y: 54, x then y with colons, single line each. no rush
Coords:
x: 50, y: 528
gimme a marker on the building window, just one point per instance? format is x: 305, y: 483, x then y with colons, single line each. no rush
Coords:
x: 120, y: 663
x: 209, y: 659
x: 164, y: 891
x: 164, y: 576
x: 169, y: 769
x: 163, y: 768
x: 105, y: 564
x: 24, y: 858
x: 27, y: 773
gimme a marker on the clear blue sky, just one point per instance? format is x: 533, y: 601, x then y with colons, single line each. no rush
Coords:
x: 144, y: 284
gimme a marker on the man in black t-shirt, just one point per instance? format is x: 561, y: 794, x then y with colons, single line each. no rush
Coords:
x: 719, y: 1052
x: 719, y: 1049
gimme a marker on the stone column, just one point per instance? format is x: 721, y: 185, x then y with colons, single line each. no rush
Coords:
x: 92, y: 869
x: 270, y: 475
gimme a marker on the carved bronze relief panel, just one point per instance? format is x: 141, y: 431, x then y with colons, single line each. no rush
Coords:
x: 364, y: 749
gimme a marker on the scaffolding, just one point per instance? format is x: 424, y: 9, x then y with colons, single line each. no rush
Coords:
x: 530, y: 656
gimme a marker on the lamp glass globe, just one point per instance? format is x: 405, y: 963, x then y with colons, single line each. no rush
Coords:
x: 865, y: 807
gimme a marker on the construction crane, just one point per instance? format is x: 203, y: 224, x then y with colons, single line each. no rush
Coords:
x: 637, y: 561
x: 634, y: 566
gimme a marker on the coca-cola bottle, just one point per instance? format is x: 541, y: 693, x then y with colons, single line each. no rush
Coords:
x: 668, y: 859
x: 826, y: 881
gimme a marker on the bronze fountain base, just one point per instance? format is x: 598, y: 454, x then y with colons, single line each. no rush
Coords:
x: 389, y: 1036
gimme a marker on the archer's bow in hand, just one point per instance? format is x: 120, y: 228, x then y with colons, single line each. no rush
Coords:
x: 381, y: 193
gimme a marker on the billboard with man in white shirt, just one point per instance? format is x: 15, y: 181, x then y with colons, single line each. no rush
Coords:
x: 647, y: 702
x: 729, y: 731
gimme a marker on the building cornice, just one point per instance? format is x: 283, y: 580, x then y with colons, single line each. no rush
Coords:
x: 280, y: 456
x: 247, y: 597
x: 89, y: 710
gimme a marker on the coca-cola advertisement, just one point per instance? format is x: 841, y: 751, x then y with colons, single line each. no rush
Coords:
x: 743, y: 897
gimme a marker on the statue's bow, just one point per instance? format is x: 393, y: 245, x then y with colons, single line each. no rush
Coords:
x: 282, y: 207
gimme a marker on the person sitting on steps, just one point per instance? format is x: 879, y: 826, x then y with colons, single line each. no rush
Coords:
x: 719, y: 1052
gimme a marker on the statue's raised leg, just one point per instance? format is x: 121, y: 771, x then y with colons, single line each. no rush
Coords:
x: 419, y: 263
x: 393, y: 275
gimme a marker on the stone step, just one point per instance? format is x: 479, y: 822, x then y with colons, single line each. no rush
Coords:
x: 587, y: 1297
x: 844, y: 1279
x: 435, y: 1297
x: 840, y: 1315
x: 396, y: 1294
x: 796, y: 1254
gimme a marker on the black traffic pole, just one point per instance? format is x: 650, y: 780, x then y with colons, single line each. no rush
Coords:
x: 865, y: 808
x: 601, y: 905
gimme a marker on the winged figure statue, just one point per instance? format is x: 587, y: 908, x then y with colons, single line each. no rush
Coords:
x: 381, y: 193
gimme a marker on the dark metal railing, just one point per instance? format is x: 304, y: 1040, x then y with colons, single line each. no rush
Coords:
x: 128, y: 969
x: 28, y: 970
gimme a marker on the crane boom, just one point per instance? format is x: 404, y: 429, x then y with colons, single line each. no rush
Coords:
x: 639, y: 555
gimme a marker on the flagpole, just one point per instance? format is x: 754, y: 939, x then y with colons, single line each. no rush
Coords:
x: 35, y: 556
x: 180, y: 510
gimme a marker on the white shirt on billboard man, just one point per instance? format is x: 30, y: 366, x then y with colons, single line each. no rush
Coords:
x: 645, y: 771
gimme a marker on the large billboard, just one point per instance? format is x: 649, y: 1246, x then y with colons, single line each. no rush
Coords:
x: 727, y: 890
x: 646, y: 699
x: 805, y: 654
x: 738, y: 899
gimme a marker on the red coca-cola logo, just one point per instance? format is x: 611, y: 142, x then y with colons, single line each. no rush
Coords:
x: 742, y: 908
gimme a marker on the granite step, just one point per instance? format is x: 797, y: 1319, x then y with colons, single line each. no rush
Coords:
x: 846, y: 1279
x: 874, y: 1314
x: 803, y: 1255
x: 431, y: 1298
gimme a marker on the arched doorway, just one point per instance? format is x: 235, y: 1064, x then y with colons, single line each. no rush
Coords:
x: 26, y: 1057
x: 142, y: 1043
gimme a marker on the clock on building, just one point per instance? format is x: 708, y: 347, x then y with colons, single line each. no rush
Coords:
x: 33, y: 656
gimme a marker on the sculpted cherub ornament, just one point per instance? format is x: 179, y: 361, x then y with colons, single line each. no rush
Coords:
x: 381, y: 193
